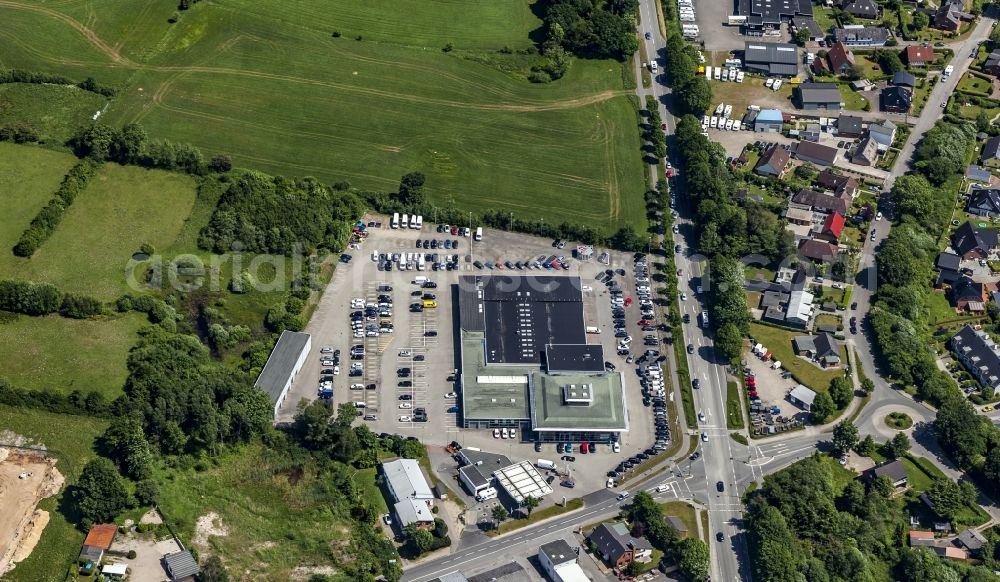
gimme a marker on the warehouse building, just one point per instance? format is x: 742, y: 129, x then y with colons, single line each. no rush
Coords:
x: 285, y: 361
x: 771, y: 58
x: 525, y: 362
x: 766, y: 15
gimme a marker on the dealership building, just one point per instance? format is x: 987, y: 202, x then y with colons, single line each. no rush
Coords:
x: 526, y: 363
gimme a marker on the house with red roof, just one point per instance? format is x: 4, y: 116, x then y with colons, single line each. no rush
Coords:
x: 918, y: 56
x: 833, y: 227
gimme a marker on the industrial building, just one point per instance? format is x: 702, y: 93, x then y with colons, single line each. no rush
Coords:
x: 771, y: 58
x: 760, y: 16
x: 525, y: 361
x: 409, y: 491
x: 285, y: 361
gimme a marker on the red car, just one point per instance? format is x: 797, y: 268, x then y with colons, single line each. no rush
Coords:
x: 628, y: 301
x: 454, y: 230
x: 645, y: 322
x: 751, y: 381
x: 753, y: 393
x: 583, y: 448
x: 556, y: 265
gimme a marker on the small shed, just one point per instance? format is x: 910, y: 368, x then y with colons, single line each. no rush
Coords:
x: 115, y: 570
x: 802, y: 397
x: 181, y: 565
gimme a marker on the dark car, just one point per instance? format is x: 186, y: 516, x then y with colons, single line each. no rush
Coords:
x: 720, y: 486
x: 550, y: 479
x: 690, y: 348
x: 418, y: 243
x: 418, y: 358
x: 695, y: 384
x: 569, y: 458
x: 568, y: 484
x: 538, y: 447
x: 720, y: 536
x: 649, y: 36
x: 427, y: 244
x: 431, y: 333
x: 403, y: 372
x: 405, y: 384
x: 430, y: 285
x: 559, y: 448
x: 345, y: 258
x: 406, y: 397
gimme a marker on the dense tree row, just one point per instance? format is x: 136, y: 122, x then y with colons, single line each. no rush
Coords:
x: 653, y: 132
x: 602, y: 30
x: 130, y: 145
x: 19, y: 133
x: 691, y: 92
x: 38, y: 299
x: 45, y: 222
x: 690, y: 554
x: 800, y: 528
x: 89, y: 84
x: 76, y: 402
x: 265, y: 214
x: 728, y: 306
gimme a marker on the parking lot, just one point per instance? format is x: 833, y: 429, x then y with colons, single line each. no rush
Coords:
x: 413, y: 366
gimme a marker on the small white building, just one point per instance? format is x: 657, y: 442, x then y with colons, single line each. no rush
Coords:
x: 559, y: 561
x: 285, y: 361
x: 413, y: 511
x: 404, y: 480
x: 115, y: 570
x: 802, y: 397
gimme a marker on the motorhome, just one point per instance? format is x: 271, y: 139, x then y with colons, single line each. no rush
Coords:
x: 395, y: 220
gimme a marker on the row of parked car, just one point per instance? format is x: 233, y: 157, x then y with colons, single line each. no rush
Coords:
x: 542, y: 262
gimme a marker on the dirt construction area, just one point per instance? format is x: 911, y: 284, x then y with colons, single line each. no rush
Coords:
x: 26, y: 477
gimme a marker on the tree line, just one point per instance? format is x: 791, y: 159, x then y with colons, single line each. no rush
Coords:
x: 691, y: 92
x: 48, y: 218
x: 689, y: 554
x: 601, y: 30
x: 88, y: 84
x: 129, y: 145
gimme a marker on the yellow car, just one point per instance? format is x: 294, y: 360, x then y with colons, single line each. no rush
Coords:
x: 430, y: 303
x: 988, y: 408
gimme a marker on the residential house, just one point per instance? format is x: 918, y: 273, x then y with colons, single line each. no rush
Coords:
x: 971, y: 242
x: 818, y: 154
x: 181, y: 566
x: 918, y: 56
x: 800, y: 215
x: 832, y: 228
x: 98, y: 541
x: 979, y: 354
x: 952, y: 553
x: 812, y: 132
x: 971, y: 540
x: 774, y: 162
x: 413, y: 512
x: 866, y: 154
x: 991, y: 152
x: 559, y: 561
x: 675, y: 521
x: 802, y: 397
x: 894, y: 470
x: 822, y: 348
x: 807, y: 23
x: 817, y: 250
x: 968, y: 295
x: 979, y: 174
x: 849, y: 126
x: 800, y: 308
x: 771, y: 59
x: 921, y: 538
x: 950, y: 15
x: 904, y: 79
x: 818, y: 96
x: 948, y: 264
x: 616, y: 545
x: 821, y: 202
x: 882, y: 132
x: 841, y: 59
x: 860, y: 8
x: 862, y: 36
x: 768, y: 120
x: 992, y: 64
x: 984, y: 202
x: 895, y: 99
x: 845, y: 187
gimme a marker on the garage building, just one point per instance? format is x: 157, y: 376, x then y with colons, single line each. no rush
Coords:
x: 283, y: 364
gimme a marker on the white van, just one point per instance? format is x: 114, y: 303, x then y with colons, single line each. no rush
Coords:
x: 419, y: 280
x: 652, y: 66
x: 545, y: 464
x: 479, y: 233
x: 405, y: 221
x: 395, y: 220
x: 360, y: 404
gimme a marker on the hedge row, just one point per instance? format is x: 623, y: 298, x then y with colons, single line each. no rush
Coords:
x: 89, y: 84
x: 45, y: 222
x: 43, y: 299
x: 76, y: 402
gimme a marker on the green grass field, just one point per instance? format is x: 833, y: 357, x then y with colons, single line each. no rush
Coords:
x: 71, y: 439
x: 61, y: 355
x: 28, y: 177
x: 363, y: 111
x: 121, y: 208
x: 55, y: 111
x: 734, y: 408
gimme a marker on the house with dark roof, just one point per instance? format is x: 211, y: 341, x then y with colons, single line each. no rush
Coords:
x: 975, y: 173
x: 840, y: 58
x: 678, y: 525
x: 849, y: 126
x: 818, y: 96
x: 822, y: 348
x: 818, y: 154
x: 984, y: 202
x: 979, y: 354
x: 774, y: 162
x: 181, y: 566
x: 894, y: 470
x: 616, y: 545
x: 948, y: 265
x: 771, y: 58
x: 817, y: 250
x: 991, y: 152
x: 820, y: 202
x: 862, y: 36
x: 971, y: 540
x: 866, y: 154
x: 807, y: 23
x: 918, y: 56
x: 904, y: 79
x: 968, y: 295
x: 845, y: 187
x: 992, y: 64
x: 832, y: 228
x: 895, y: 99
x: 860, y: 8
x: 971, y: 242
x: 950, y: 15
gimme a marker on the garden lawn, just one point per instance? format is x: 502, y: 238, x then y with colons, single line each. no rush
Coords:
x: 365, y: 480
x: 121, y: 208
x: 28, y: 177
x: 975, y: 84
x: 55, y: 111
x: 682, y: 511
x: 71, y: 440
x: 779, y: 342
x: 939, y: 309
x: 58, y: 354
x: 287, y: 97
